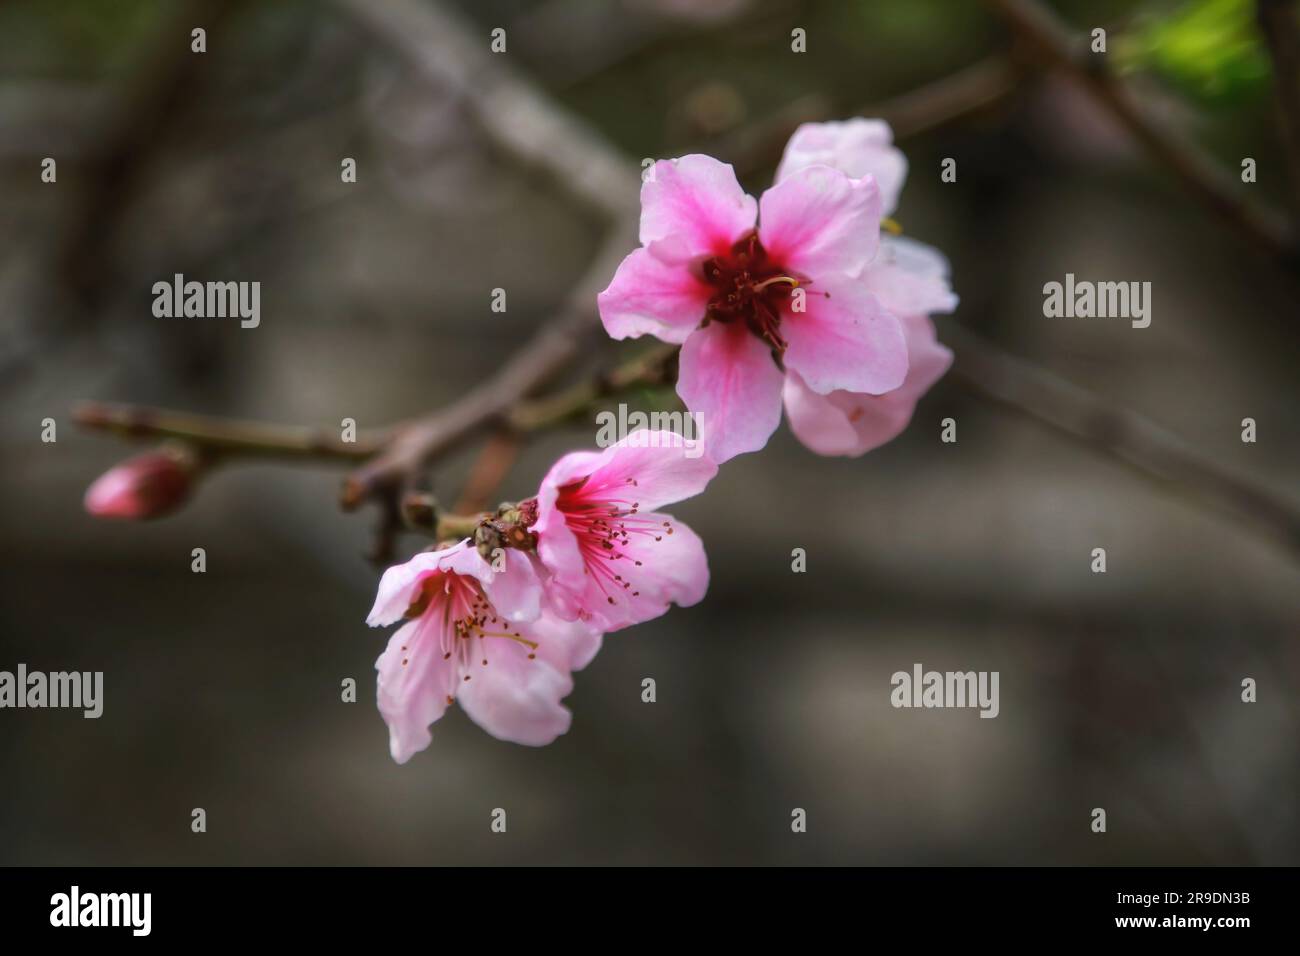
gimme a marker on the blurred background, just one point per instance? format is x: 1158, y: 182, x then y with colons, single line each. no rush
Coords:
x: 222, y: 690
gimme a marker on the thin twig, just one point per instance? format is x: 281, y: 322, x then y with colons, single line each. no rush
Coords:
x: 224, y: 436
x: 1212, y: 185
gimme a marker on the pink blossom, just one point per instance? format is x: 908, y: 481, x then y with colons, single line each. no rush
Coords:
x: 146, y: 486
x: 731, y: 292
x: 610, y: 557
x: 478, y: 636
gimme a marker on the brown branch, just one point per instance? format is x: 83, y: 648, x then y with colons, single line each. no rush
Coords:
x: 1144, y: 446
x: 218, y: 437
x: 1277, y: 21
x: 1200, y: 174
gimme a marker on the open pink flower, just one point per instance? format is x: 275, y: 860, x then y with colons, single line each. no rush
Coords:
x: 477, y: 636
x: 910, y: 279
x: 610, y: 557
x: 749, y: 302
x: 806, y: 305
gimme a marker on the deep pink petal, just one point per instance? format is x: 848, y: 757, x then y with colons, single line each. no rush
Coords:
x: 650, y: 468
x: 845, y: 340
x: 649, y: 296
x: 729, y: 381
x: 617, y: 592
x: 856, y: 147
x: 843, y: 423
x: 695, y: 205
x: 556, y: 545
x: 820, y: 223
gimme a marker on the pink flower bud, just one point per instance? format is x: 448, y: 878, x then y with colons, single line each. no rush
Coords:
x: 147, y: 486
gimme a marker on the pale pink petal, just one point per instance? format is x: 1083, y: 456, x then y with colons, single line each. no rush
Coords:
x: 617, y: 592
x: 819, y: 421
x: 649, y: 296
x: 845, y: 340
x: 414, y: 685
x: 856, y: 147
x: 819, y: 223
x: 398, y: 587
x: 910, y: 278
x: 696, y: 205
x: 515, y: 591
x: 565, y: 645
x: 729, y: 381
x: 516, y: 697
x: 844, y: 423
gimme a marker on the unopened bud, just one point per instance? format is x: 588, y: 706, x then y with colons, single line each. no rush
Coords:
x: 146, y: 486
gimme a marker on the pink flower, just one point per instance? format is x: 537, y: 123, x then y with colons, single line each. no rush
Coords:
x: 146, y: 486
x: 799, y: 305
x: 478, y: 636
x: 610, y: 557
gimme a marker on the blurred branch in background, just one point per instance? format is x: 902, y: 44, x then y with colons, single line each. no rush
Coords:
x: 967, y: 92
x: 131, y: 128
x: 1208, y: 182
x: 1150, y: 450
x: 537, y: 132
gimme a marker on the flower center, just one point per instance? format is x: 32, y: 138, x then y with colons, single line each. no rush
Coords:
x: 750, y: 288
x: 606, y: 526
x: 466, y: 615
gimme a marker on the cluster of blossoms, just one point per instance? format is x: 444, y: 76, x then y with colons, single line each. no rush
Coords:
x: 500, y: 622
x: 795, y: 299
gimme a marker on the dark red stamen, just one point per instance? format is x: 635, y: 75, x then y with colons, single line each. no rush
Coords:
x: 751, y: 288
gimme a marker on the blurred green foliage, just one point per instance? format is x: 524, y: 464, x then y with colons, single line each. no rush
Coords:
x: 1210, y: 50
